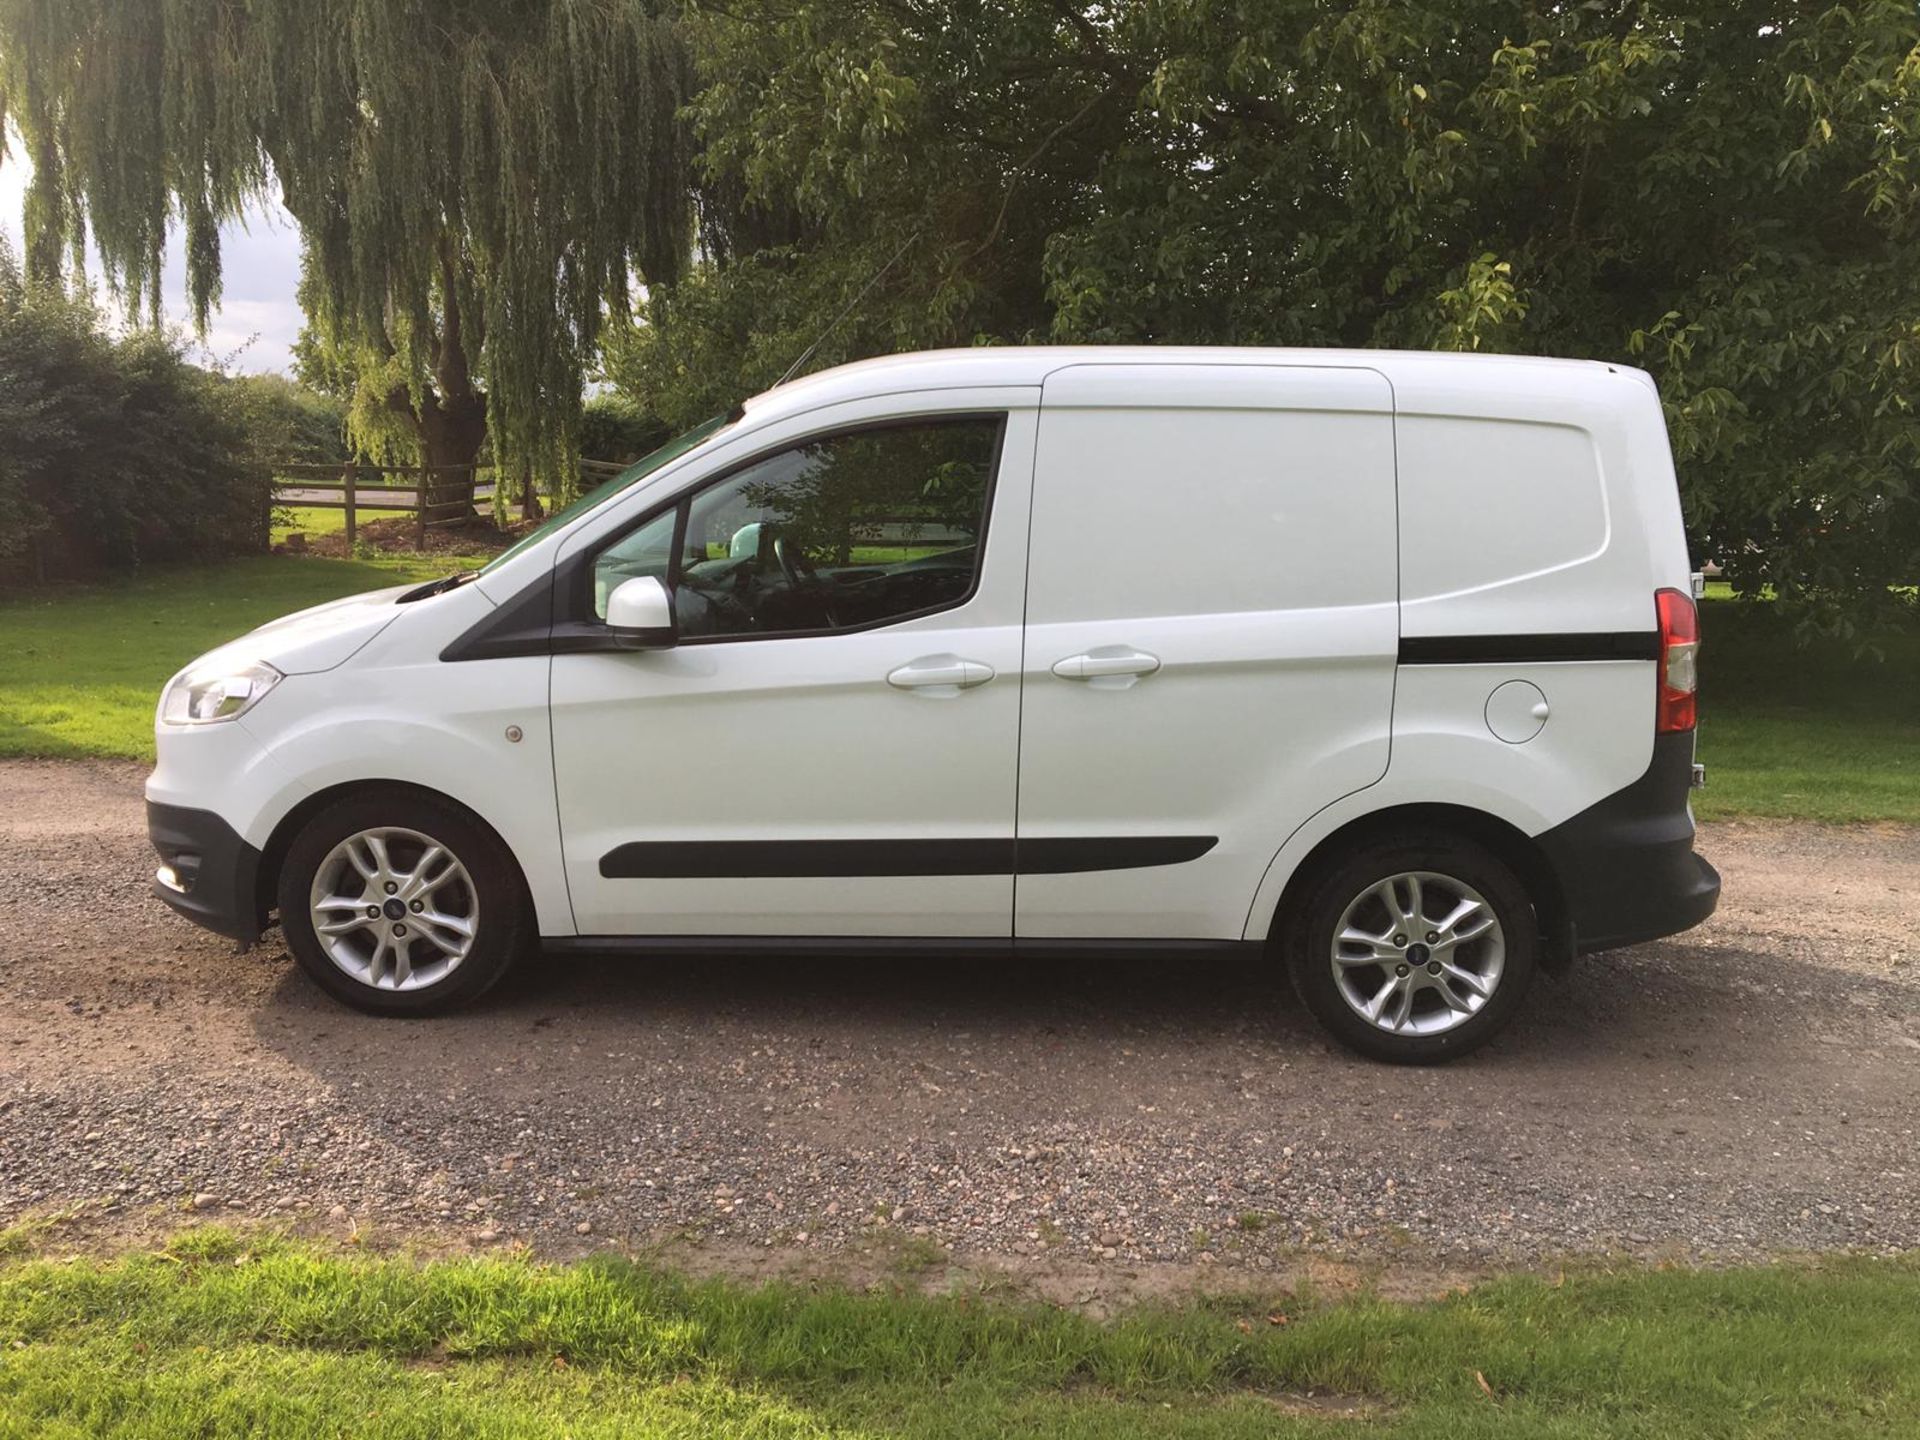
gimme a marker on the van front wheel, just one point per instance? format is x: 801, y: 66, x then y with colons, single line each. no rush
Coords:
x: 1416, y: 949
x: 399, y: 905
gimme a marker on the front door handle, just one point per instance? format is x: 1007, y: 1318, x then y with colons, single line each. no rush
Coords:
x: 938, y: 676
x: 1108, y: 667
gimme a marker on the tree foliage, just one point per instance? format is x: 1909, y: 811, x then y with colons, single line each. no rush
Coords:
x: 615, y: 430
x: 476, y: 181
x: 1726, y: 193
x: 113, y: 452
x: 286, y: 420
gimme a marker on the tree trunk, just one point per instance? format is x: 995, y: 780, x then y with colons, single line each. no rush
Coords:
x: 529, y: 496
x: 453, y: 425
x: 451, y: 435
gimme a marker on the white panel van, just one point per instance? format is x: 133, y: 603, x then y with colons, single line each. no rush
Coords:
x: 1378, y: 664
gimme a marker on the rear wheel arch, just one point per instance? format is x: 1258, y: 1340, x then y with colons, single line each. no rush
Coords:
x: 1507, y: 843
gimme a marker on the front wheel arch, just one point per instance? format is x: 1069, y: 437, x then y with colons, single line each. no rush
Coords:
x: 1510, y: 845
x: 273, y: 856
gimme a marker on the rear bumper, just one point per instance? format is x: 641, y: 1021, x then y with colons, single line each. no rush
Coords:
x: 207, y: 872
x: 1626, y: 866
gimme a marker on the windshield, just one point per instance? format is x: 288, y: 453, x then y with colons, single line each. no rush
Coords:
x: 601, y: 494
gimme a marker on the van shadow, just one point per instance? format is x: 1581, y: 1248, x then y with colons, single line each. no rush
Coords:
x: 1608, y: 1014
x: 1193, y: 1001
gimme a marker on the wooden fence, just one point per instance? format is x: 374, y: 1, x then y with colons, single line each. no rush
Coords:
x: 433, y: 494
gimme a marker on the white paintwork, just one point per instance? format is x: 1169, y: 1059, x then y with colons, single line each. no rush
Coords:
x: 814, y: 738
x: 1197, y: 637
x: 311, y: 640
x: 396, y: 713
x: 1517, y: 710
x: 641, y: 603
x: 1234, y: 524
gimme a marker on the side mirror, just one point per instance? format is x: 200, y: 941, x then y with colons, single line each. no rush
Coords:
x: 640, y: 615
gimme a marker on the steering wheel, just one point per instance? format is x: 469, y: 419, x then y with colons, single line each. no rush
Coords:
x: 801, y: 575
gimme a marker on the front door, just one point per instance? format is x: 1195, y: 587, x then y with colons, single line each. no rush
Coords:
x: 831, y: 747
x: 1212, y: 627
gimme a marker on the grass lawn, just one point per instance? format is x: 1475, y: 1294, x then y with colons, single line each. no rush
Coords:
x: 1812, y: 732
x: 320, y: 520
x: 1817, y: 733
x: 312, y: 520
x: 81, y: 667
x: 220, y: 1336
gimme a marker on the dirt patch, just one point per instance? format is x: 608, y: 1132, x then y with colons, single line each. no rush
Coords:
x: 1096, y: 1128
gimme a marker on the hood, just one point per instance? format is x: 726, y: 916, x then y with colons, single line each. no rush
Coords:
x: 316, y: 639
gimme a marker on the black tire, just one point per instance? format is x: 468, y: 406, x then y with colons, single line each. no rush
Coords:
x: 501, y: 919
x: 1308, y: 941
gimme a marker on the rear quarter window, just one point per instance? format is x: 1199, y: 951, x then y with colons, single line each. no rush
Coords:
x: 1484, y: 502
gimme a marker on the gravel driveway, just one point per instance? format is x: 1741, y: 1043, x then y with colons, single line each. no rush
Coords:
x: 1751, y: 1087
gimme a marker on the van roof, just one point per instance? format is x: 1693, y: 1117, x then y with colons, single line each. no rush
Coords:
x: 1411, y: 372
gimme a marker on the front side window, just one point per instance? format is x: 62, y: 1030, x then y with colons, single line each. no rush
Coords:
x: 839, y: 533
x: 646, y: 551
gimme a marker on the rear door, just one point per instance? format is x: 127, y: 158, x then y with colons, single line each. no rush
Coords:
x: 1212, y: 627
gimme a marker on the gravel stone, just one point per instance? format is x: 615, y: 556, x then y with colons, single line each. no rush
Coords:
x: 1749, y: 1088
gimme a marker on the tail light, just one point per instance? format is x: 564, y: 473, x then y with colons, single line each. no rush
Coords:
x: 1679, y: 661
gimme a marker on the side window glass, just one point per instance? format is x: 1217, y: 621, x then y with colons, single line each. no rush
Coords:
x: 647, y: 551
x: 846, y: 531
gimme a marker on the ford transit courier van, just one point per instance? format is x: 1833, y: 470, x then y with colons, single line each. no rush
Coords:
x: 1379, y: 664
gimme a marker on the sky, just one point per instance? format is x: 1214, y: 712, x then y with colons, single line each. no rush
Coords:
x: 258, y: 317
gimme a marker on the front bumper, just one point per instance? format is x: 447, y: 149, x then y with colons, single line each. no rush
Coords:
x: 207, y: 872
x: 1626, y: 866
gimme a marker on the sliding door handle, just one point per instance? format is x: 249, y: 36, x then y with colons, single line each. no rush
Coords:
x: 938, y: 676
x: 1108, y: 667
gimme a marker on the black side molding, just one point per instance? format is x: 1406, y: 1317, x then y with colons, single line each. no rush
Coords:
x: 1529, y: 649
x: 742, y: 859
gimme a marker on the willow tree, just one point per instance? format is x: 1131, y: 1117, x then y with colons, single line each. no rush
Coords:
x: 477, y: 182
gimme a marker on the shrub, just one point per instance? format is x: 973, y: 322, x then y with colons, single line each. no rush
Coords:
x: 615, y: 429
x: 113, y: 452
x: 286, y: 420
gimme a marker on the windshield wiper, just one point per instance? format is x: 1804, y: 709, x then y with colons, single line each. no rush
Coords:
x: 440, y: 586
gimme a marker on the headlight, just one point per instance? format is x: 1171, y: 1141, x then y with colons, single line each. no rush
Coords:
x: 199, y: 697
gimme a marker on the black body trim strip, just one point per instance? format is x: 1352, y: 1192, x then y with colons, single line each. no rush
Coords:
x: 1128, y: 852
x: 767, y: 859
x: 1529, y: 649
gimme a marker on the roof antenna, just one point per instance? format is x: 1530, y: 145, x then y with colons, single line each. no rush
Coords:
x: 834, y: 323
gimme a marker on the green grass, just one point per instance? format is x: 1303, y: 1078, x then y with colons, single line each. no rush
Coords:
x: 81, y: 666
x: 1813, y: 732
x: 320, y: 520
x: 313, y: 520
x: 1819, y: 733
x: 218, y: 1336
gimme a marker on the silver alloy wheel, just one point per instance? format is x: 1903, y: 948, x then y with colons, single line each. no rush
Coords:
x: 394, y: 909
x: 1418, y: 953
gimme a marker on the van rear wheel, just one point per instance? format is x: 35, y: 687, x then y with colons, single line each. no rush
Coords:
x: 398, y: 904
x: 1416, y: 949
